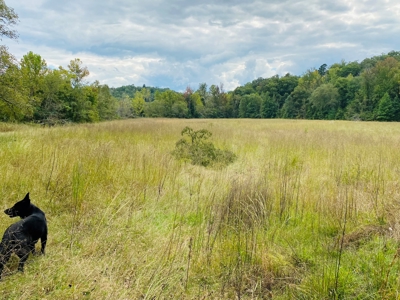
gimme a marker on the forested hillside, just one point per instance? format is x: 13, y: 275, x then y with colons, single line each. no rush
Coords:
x: 367, y: 90
x: 129, y: 91
x: 347, y: 90
x: 30, y: 91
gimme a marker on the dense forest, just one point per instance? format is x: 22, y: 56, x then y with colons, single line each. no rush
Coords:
x: 30, y: 91
x: 368, y: 90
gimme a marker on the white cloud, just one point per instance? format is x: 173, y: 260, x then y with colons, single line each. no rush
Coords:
x: 176, y: 43
x: 338, y: 45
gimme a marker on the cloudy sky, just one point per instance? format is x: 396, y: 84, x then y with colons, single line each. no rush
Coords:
x: 178, y: 43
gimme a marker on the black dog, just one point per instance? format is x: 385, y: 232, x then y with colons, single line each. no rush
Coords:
x: 20, y: 238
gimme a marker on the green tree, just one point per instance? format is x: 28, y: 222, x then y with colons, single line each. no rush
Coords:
x: 325, y: 101
x: 194, y: 104
x: 8, y: 18
x: 268, y: 107
x: 138, y: 104
x: 249, y: 106
x: 367, y: 103
x: 14, y: 104
x: 146, y: 94
x: 78, y: 72
x: 202, y: 91
x: 168, y: 104
x: 322, y: 69
x: 13, y: 95
x: 385, y: 111
x: 106, y: 104
x: 56, y: 86
x: 296, y: 104
x: 311, y: 80
x: 124, y: 108
x: 33, y: 70
x: 351, y: 68
x: 249, y: 88
x: 383, y: 77
x: 347, y: 88
x: 287, y: 84
x: 386, y: 78
x: 216, y: 102
x: 233, y: 103
x: 81, y: 102
x: 179, y: 110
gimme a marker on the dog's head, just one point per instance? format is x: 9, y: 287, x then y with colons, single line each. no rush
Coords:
x: 20, y: 209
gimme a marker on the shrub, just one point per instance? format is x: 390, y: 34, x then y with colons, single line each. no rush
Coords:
x: 196, y: 149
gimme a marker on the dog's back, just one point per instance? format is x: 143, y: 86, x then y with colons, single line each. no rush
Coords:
x: 20, y: 238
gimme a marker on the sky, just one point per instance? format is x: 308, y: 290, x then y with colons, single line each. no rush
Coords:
x: 177, y: 43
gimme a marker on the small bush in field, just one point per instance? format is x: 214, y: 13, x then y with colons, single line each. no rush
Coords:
x: 195, y: 148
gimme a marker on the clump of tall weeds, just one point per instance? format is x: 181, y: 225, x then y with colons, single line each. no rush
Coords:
x: 196, y: 148
x: 247, y: 203
x: 243, y: 211
x: 237, y: 227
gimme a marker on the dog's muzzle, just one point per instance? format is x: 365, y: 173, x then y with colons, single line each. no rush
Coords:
x: 10, y: 213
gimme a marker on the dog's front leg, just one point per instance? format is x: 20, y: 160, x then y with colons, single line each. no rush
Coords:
x: 32, y: 248
x: 23, y: 256
x: 43, y: 241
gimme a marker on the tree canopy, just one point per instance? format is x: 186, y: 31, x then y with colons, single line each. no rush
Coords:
x: 8, y: 18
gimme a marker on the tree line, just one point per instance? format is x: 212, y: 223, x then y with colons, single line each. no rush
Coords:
x: 367, y: 90
x: 30, y: 91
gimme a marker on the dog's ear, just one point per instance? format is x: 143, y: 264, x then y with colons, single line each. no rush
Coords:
x: 27, y: 199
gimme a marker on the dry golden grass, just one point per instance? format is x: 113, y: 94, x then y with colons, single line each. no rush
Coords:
x: 127, y: 221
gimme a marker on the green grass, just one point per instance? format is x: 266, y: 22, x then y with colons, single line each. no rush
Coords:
x: 309, y: 210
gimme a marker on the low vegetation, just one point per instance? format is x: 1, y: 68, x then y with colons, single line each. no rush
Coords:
x: 308, y: 210
x: 197, y: 150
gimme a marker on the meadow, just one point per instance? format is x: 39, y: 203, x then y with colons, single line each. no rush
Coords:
x: 309, y: 210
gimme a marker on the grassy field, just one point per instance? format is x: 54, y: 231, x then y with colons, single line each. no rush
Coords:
x: 309, y: 210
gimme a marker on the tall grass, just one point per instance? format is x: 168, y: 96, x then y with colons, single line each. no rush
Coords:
x: 309, y: 210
